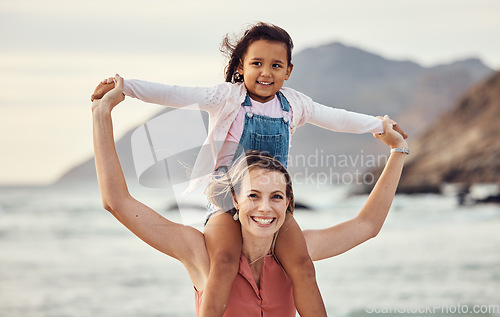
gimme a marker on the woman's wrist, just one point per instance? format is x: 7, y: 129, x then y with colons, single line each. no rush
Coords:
x: 402, y: 144
x: 400, y: 150
x: 102, y: 108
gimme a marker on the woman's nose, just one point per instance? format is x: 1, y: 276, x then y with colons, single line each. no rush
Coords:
x: 264, y: 205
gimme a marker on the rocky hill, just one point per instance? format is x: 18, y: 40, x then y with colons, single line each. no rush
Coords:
x: 350, y: 78
x: 347, y: 77
x: 462, y: 146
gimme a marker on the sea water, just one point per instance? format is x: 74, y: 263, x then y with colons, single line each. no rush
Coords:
x: 62, y: 254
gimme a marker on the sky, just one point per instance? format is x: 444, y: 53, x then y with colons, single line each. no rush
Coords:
x: 54, y: 52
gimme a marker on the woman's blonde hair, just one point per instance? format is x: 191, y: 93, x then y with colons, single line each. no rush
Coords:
x: 220, y: 191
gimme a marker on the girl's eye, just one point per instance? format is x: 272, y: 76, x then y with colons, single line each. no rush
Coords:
x: 278, y: 196
x: 277, y: 65
x: 257, y: 63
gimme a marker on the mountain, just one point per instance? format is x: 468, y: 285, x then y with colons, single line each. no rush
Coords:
x: 356, y: 80
x: 347, y: 77
x: 462, y: 146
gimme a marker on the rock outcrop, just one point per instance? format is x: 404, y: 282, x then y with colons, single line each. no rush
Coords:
x: 462, y: 146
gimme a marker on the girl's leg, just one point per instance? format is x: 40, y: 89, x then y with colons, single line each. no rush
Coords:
x: 291, y: 250
x: 223, y: 240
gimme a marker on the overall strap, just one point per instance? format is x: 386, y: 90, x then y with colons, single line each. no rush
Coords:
x: 247, y: 104
x: 285, y: 106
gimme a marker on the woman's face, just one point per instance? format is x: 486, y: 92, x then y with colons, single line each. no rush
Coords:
x: 262, y: 202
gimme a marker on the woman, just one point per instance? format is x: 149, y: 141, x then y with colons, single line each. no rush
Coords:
x: 258, y: 190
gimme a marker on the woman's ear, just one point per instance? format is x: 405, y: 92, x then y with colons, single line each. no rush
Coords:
x: 235, y: 201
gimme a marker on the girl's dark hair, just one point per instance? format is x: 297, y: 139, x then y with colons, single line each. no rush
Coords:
x: 220, y: 191
x: 235, y: 50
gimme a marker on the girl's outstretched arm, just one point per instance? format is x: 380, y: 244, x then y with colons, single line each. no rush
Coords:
x: 181, y: 242
x: 335, y: 119
x: 205, y: 98
x: 335, y: 240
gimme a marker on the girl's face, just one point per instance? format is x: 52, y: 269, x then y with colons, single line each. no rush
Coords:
x: 265, y: 68
x: 262, y: 203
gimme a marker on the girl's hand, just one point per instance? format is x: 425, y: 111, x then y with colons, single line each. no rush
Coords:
x: 111, y: 98
x: 103, y: 87
x: 400, y: 131
x: 395, y: 126
x: 390, y: 136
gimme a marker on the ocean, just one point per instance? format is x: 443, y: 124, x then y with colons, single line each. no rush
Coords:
x: 62, y: 254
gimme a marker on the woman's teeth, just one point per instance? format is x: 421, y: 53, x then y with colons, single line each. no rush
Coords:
x: 263, y: 221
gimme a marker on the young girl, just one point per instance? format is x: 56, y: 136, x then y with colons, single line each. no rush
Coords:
x: 253, y: 111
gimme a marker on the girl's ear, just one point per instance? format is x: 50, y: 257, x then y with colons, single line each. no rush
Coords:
x: 288, y: 71
x: 240, y: 67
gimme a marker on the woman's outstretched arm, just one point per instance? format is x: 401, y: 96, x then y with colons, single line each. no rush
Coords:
x: 181, y: 242
x: 325, y: 243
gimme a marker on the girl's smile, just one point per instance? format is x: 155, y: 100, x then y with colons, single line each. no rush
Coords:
x: 265, y: 69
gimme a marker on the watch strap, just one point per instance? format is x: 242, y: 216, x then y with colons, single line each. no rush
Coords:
x: 401, y: 150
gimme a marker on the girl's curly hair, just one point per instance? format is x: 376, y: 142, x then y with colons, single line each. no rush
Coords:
x: 235, y: 50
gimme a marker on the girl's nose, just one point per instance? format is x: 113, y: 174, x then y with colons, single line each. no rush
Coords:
x: 266, y: 71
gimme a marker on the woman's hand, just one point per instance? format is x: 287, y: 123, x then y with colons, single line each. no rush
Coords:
x: 111, y: 98
x: 390, y: 136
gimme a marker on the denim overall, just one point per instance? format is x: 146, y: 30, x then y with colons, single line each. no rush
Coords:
x: 261, y: 133
x: 265, y: 133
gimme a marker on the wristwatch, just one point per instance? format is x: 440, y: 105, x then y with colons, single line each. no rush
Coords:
x: 401, y: 150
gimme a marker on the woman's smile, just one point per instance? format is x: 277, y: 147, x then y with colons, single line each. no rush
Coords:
x: 262, y: 202
x: 263, y: 220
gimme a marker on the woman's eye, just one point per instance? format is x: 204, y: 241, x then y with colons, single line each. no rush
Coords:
x: 252, y: 195
x: 278, y: 197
